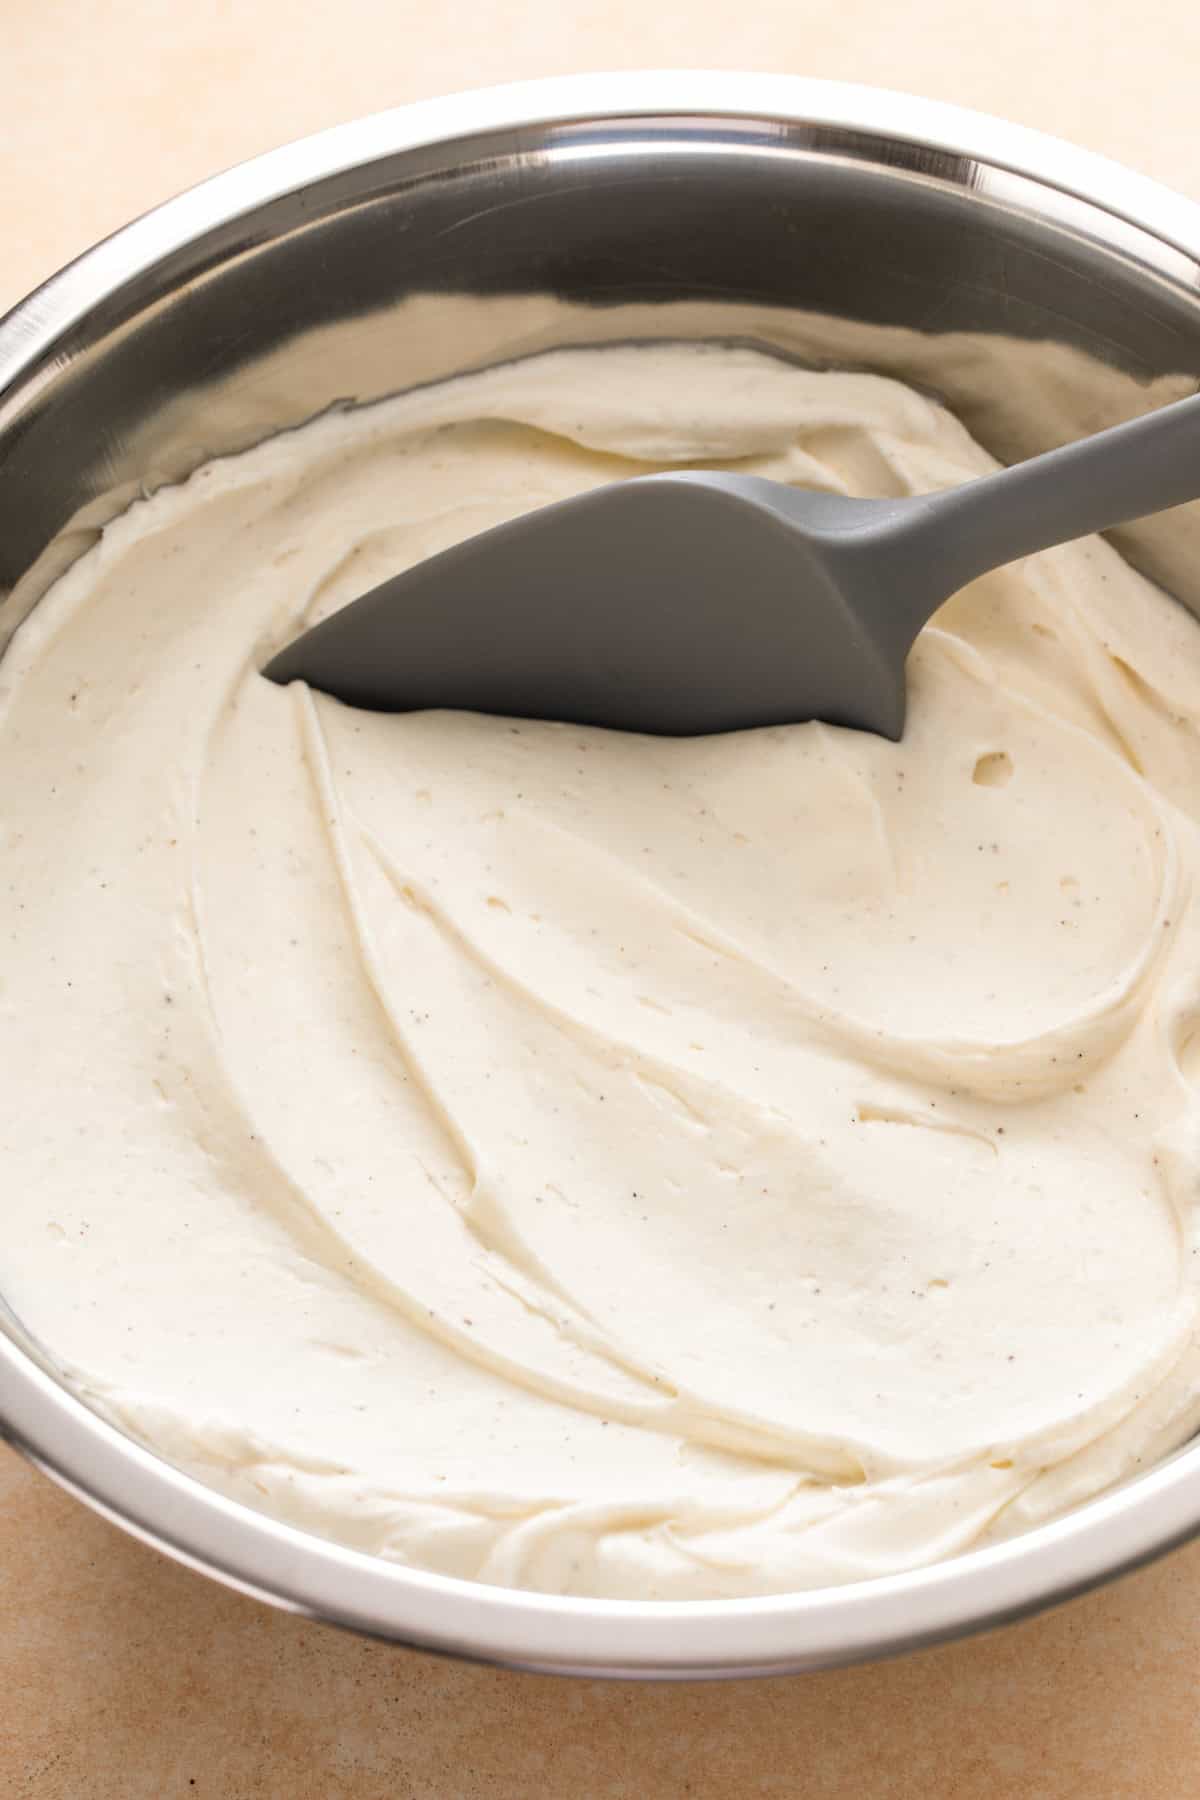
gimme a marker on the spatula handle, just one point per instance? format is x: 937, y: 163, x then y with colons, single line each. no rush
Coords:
x: 1144, y: 466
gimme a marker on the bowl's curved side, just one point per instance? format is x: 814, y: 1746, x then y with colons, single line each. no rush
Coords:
x: 838, y: 224
x: 257, y: 1555
x: 1044, y: 291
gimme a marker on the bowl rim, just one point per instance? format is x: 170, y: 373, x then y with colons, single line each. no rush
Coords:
x: 304, y: 1573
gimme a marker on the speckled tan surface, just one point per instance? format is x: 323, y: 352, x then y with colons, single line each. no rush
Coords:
x: 125, y: 1678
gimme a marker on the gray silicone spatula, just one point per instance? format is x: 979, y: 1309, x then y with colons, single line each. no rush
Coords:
x: 697, y: 602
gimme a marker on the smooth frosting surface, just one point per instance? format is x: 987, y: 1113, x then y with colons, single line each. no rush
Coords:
x: 593, y: 1163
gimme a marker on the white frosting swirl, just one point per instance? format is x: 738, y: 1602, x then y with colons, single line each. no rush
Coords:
x: 595, y: 1163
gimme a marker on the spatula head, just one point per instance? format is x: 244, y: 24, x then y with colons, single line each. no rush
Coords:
x: 673, y: 604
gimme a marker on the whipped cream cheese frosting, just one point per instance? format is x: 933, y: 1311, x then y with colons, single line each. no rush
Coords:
x: 593, y: 1163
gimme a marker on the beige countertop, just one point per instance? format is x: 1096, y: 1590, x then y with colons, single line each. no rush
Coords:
x: 123, y: 1677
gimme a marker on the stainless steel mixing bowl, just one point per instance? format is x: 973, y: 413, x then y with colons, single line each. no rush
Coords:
x: 1041, y: 291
